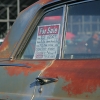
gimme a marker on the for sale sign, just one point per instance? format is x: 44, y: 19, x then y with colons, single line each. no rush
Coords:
x: 47, y: 41
x: 48, y: 30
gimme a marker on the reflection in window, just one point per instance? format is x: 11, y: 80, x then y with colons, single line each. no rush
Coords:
x: 83, y: 31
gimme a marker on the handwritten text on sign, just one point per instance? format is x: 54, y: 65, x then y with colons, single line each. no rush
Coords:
x: 47, y: 42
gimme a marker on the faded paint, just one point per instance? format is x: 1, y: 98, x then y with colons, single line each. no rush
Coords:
x: 43, y: 2
x: 5, y: 44
x: 4, y: 52
x: 83, y: 75
x: 15, y: 71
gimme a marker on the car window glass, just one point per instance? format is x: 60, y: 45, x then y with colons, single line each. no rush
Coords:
x: 45, y: 42
x: 82, y: 37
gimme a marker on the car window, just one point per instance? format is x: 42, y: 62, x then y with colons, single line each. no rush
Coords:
x: 45, y: 42
x: 82, y: 37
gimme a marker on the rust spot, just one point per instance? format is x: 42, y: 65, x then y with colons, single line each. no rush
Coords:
x: 29, y: 7
x: 4, y: 45
x: 87, y: 96
x: 42, y: 2
x: 18, y: 70
x: 82, y: 75
x: 4, y: 52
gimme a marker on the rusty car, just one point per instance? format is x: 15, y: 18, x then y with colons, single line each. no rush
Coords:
x: 47, y: 55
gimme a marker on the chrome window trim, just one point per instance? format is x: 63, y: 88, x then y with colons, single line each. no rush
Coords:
x: 79, y: 2
x: 62, y: 28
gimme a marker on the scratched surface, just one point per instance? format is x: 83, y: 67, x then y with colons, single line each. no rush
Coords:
x: 35, y: 66
x: 15, y: 81
x: 78, y: 79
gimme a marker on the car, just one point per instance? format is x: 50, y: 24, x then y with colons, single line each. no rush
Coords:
x: 40, y: 61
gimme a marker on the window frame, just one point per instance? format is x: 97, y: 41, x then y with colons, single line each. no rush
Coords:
x: 22, y: 43
x: 66, y: 22
x: 32, y: 29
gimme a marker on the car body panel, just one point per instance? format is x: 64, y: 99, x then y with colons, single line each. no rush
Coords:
x: 18, y: 78
x: 77, y: 79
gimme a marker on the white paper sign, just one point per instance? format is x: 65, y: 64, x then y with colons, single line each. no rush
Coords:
x: 47, y: 41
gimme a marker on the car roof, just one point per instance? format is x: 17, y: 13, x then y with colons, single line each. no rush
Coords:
x: 45, y: 2
x: 48, y: 1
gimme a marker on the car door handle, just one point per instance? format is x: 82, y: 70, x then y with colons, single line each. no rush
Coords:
x: 43, y: 81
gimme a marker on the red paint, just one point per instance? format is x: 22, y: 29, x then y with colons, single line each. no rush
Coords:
x: 29, y: 6
x: 42, y: 2
x: 4, y: 52
x: 4, y: 45
x: 82, y: 75
x: 18, y: 70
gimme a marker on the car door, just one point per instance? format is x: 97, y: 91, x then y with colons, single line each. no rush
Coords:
x: 41, y: 50
x: 18, y: 74
x: 75, y: 76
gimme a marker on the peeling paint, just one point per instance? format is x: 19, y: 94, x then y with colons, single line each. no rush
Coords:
x: 18, y: 70
x: 4, y: 45
x: 82, y: 75
x: 42, y: 2
x: 4, y: 52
